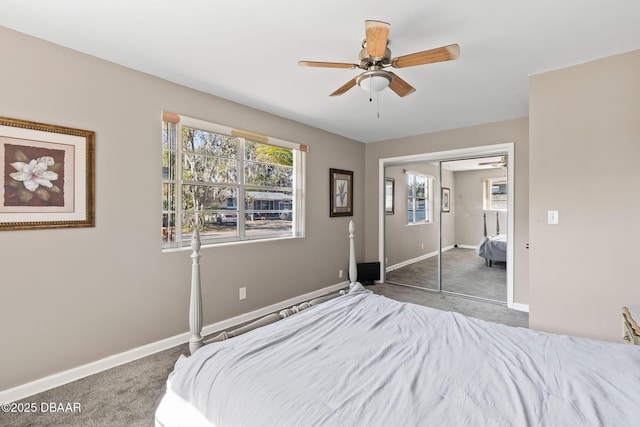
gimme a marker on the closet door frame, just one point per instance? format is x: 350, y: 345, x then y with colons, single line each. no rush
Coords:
x: 440, y: 156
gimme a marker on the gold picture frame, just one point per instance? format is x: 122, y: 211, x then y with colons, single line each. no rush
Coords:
x: 48, y: 176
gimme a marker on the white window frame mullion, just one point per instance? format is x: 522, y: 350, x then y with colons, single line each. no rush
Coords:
x: 407, y: 189
x: 298, y: 192
x: 412, y: 183
x: 171, y: 184
x: 240, y: 154
x: 427, y: 202
x: 178, y: 185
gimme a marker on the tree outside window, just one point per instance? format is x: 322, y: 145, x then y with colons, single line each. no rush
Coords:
x: 230, y: 187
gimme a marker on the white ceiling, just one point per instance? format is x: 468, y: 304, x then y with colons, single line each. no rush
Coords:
x: 247, y: 51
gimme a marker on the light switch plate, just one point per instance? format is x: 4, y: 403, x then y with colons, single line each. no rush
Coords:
x: 552, y: 217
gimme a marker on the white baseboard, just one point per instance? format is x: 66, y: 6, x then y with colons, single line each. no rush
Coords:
x: 420, y: 258
x: 521, y: 307
x: 466, y: 246
x: 61, y: 378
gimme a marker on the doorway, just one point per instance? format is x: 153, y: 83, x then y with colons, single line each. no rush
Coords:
x: 431, y: 242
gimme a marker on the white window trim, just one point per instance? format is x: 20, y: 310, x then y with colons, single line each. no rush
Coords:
x: 487, y: 202
x: 298, y: 188
x: 430, y: 179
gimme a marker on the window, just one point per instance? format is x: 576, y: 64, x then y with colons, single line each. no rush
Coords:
x: 419, y: 200
x: 495, y: 194
x: 233, y: 185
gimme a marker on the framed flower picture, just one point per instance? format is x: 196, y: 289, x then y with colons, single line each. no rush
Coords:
x: 48, y: 176
x: 340, y: 192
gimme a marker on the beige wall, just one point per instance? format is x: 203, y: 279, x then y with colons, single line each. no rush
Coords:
x: 585, y: 147
x: 70, y: 297
x: 516, y: 131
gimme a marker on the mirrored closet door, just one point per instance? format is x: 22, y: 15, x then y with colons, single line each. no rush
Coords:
x: 473, y: 227
x: 445, y: 226
x: 412, y: 235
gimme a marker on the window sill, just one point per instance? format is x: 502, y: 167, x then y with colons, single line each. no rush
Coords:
x: 232, y: 243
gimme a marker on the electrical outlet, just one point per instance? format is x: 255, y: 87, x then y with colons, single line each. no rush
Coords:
x: 243, y: 293
x: 340, y: 273
x: 422, y: 246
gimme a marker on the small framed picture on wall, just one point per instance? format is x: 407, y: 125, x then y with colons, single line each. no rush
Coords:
x: 389, y: 195
x: 446, y: 199
x: 340, y: 192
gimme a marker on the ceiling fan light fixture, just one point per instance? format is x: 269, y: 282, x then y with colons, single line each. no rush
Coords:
x: 374, y: 81
x: 375, y: 56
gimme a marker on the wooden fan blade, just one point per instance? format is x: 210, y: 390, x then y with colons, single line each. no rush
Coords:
x: 440, y: 54
x: 345, y: 87
x: 377, y: 33
x: 399, y: 86
x: 326, y: 64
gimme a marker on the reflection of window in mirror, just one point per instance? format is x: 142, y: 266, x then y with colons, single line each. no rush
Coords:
x: 495, y: 194
x: 419, y: 200
x: 389, y: 188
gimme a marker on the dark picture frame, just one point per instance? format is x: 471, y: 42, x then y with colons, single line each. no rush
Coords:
x: 48, y: 178
x: 340, y: 192
x: 389, y: 196
x: 446, y: 199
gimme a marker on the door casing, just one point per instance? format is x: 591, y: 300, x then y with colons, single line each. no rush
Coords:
x: 449, y: 155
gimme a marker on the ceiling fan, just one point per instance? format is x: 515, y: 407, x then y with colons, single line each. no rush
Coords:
x: 375, y: 56
x: 502, y: 162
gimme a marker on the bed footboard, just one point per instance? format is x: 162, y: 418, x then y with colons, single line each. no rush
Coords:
x: 272, y: 318
x: 195, y: 307
x: 195, y: 303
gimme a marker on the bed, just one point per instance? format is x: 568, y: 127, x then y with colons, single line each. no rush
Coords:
x: 360, y: 359
x: 492, y: 248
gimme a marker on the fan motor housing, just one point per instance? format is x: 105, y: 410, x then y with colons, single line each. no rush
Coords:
x: 366, y: 62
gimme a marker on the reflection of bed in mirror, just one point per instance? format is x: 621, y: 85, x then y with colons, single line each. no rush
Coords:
x: 493, y: 248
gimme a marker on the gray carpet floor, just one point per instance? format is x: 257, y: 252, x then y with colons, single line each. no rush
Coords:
x: 128, y: 395
x: 489, y: 311
x: 463, y: 272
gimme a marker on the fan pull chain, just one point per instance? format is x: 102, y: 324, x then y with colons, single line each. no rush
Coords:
x: 377, y: 98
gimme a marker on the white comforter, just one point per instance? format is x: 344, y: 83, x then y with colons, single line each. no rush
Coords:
x: 493, y: 248
x: 365, y: 360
